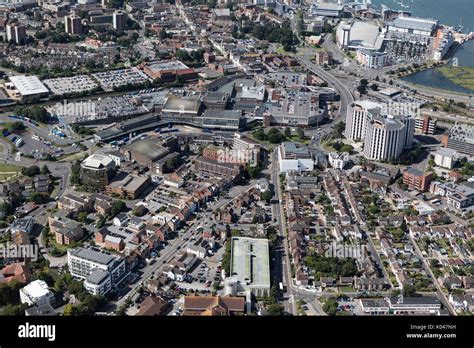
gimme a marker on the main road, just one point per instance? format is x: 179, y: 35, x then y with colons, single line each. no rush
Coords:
x: 279, y: 213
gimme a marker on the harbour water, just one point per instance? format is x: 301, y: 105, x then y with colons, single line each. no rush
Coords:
x: 449, y: 12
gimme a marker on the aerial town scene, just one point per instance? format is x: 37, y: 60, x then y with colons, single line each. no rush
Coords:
x: 236, y: 158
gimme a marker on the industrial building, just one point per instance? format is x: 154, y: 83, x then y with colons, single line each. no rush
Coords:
x: 25, y: 88
x: 250, y: 266
x: 223, y: 119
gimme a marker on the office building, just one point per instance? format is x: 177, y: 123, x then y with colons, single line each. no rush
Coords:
x: 416, y: 179
x: 97, y: 171
x: 294, y: 108
x: 384, y: 139
x: 372, y: 59
x: 294, y: 158
x: 100, y: 270
x: 73, y: 25
x: 462, y: 199
x: 445, y: 158
x: 460, y: 139
x: 25, y: 88
x: 223, y: 119
x: 119, y: 20
x: 357, y: 117
x: 425, y: 125
x: 16, y: 33
x: 384, y: 135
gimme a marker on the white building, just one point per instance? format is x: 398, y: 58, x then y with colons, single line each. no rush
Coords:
x: 26, y: 87
x: 372, y: 59
x: 384, y: 139
x: 413, y: 25
x: 356, y: 119
x: 445, y: 158
x: 338, y: 160
x: 100, y: 269
x: 36, y: 293
x: 356, y: 35
x: 293, y: 158
x: 384, y: 135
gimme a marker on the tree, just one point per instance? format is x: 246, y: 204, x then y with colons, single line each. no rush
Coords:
x: 266, y: 196
x: 330, y: 307
x: 274, y: 136
x: 300, y: 133
x: 346, y: 148
x: 39, y: 197
x: 275, y: 310
x: 186, y: 148
x: 30, y: 171
x: 287, y: 132
x: 82, y: 217
x: 100, y: 222
x: 409, y: 290
x: 45, y: 170
x: 139, y: 210
x: 118, y: 207
x: 338, y: 129
x: 259, y: 134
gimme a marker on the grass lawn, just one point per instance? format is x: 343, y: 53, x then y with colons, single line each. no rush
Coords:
x: 9, y: 168
x: 345, y: 289
x: 297, y: 139
x: 61, y: 248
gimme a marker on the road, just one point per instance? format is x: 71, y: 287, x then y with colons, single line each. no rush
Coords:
x: 279, y: 213
x: 439, y: 292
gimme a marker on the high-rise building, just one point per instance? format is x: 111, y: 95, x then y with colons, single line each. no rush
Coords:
x: 384, y: 135
x: 119, y: 20
x: 16, y: 33
x: 357, y: 117
x: 73, y: 25
x: 384, y: 139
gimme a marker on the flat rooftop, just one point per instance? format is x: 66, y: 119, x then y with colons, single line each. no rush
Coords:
x: 147, y: 147
x: 93, y: 255
x: 415, y: 23
x: 175, y: 103
x: 167, y: 65
x: 250, y: 262
x: 28, y: 85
